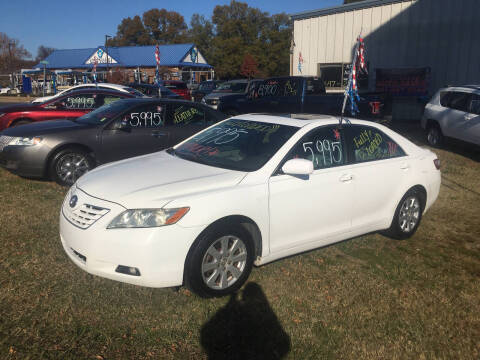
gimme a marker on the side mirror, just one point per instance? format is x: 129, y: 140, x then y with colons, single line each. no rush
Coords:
x: 298, y: 167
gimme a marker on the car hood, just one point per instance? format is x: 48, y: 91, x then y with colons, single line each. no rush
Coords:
x: 151, y: 181
x: 43, y: 128
x: 42, y: 99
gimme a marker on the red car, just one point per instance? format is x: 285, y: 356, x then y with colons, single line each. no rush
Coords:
x: 69, y: 106
x: 178, y: 87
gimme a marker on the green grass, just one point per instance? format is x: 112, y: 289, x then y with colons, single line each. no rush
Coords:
x: 369, y: 297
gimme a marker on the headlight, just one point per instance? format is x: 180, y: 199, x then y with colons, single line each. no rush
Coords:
x: 25, y: 141
x: 143, y: 218
x: 1, y: 114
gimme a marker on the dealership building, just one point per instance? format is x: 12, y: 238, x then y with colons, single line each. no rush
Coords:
x: 413, y: 47
x: 134, y: 63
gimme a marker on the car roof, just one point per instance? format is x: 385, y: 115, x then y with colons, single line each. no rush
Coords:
x: 470, y: 88
x: 147, y: 100
x: 105, y: 85
x: 95, y: 91
x: 301, y: 120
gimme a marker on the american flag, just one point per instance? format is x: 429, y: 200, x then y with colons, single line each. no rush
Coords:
x: 157, y: 55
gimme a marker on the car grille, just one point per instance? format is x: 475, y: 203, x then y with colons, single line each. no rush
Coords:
x: 84, y: 215
x: 4, y: 141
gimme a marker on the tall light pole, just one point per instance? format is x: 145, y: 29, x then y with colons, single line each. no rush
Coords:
x: 106, y: 48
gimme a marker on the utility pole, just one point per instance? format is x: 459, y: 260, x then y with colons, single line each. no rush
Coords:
x: 10, y: 44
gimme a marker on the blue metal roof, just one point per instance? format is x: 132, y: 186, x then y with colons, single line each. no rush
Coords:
x: 126, y: 56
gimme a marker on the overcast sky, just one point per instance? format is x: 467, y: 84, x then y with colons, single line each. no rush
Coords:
x: 66, y: 24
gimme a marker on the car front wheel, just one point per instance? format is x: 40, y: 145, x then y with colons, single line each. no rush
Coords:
x: 69, y: 164
x: 219, y: 261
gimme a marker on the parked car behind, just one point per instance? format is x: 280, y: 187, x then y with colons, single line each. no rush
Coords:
x: 152, y: 90
x: 453, y: 112
x: 102, y: 86
x: 69, y: 106
x: 297, y: 94
x: 63, y: 150
x: 178, y: 87
x: 205, y: 88
x: 249, y: 190
x: 228, y: 96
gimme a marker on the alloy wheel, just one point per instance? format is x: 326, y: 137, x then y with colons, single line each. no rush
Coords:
x: 409, y: 214
x: 224, y: 262
x: 71, y: 166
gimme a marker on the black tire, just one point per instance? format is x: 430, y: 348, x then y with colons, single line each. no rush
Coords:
x: 407, y: 217
x: 20, y: 122
x: 59, y: 165
x: 434, y: 135
x: 199, y: 256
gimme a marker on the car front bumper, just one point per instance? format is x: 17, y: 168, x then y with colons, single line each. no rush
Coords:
x: 28, y: 161
x: 157, y: 253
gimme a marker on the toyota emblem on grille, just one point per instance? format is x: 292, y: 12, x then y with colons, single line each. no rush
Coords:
x: 73, y: 201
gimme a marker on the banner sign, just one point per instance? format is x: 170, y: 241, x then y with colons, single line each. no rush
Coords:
x: 402, y: 82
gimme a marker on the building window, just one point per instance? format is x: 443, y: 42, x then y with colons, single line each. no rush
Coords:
x: 335, y: 76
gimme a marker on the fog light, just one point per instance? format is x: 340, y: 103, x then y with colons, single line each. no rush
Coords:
x: 128, y: 270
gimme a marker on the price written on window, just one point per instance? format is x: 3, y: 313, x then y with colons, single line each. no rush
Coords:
x: 80, y: 103
x: 145, y: 119
x: 324, y: 152
x: 221, y: 135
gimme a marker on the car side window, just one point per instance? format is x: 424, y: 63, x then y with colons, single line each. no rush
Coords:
x: 323, y: 146
x: 315, y: 87
x: 106, y: 99
x: 145, y: 116
x: 80, y: 101
x: 182, y: 115
x: 459, y: 101
x: 475, y: 105
x: 369, y: 144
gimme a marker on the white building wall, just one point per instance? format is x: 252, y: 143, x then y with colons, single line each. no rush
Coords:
x: 440, y: 34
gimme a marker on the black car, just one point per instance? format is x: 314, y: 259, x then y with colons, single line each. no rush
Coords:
x: 66, y: 149
x: 205, y: 88
x: 153, y: 90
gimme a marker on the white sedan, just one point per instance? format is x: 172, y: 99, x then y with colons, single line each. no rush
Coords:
x: 108, y: 86
x: 248, y: 190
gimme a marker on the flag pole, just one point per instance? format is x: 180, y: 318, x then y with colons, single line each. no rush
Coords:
x: 350, y: 79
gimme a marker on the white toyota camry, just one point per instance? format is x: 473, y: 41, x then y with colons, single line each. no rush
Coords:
x: 248, y: 190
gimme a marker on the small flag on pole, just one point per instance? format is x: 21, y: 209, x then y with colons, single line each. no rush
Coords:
x: 94, y: 70
x: 358, y: 65
x: 157, y: 60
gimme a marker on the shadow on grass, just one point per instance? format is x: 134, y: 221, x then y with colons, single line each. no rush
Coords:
x: 245, y: 328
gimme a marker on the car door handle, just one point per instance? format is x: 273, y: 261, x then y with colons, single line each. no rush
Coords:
x: 405, y: 166
x: 158, y: 134
x: 346, y: 178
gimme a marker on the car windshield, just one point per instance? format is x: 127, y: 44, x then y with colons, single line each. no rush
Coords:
x: 236, y: 87
x: 104, y: 113
x: 236, y: 144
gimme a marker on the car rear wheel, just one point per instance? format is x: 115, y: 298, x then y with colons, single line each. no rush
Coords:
x: 69, y: 164
x: 407, y: 216
x: 219, y: 261
x: 434, y: 135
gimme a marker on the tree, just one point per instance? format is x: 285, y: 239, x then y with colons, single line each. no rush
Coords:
x: 156, y: 26
x: 130, y: 32
x: 13, y: 56
x: 249, y: 67
x: 201, y: 33
x: 164, y: 27
x: 43, y: 52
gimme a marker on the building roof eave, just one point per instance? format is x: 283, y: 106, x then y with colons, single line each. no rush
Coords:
x: 342, y: 8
